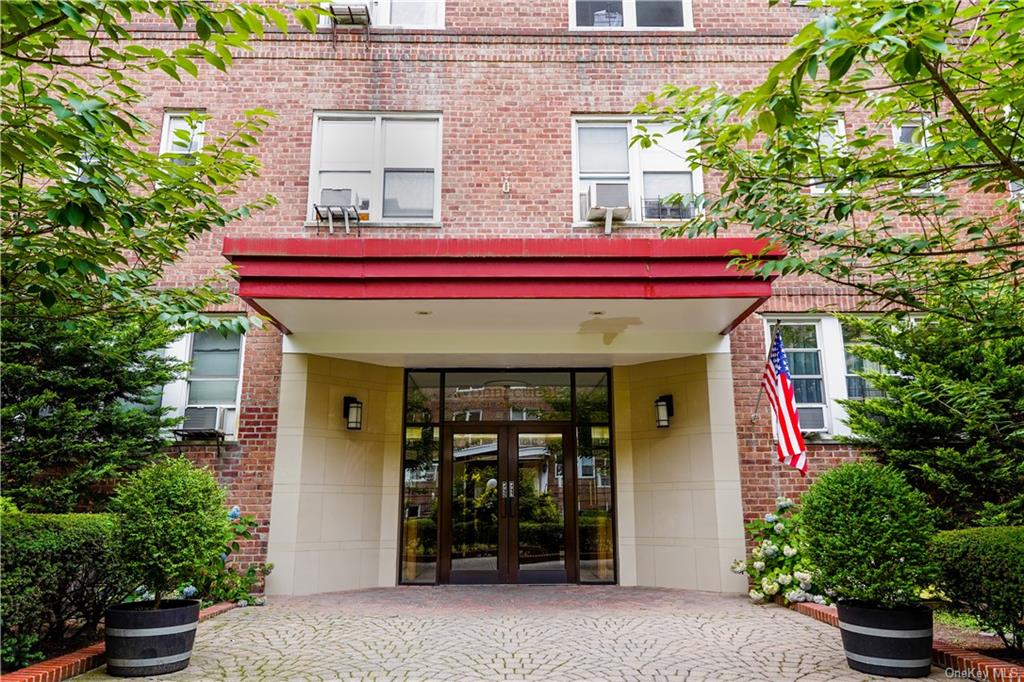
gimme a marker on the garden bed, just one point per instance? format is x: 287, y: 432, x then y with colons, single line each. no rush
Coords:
x: 85, y: 659
x: 945, y: 654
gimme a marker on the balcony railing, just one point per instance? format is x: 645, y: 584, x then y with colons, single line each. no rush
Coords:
x: 658, y: 209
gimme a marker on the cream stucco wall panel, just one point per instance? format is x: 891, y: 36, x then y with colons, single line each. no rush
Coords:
x: 336, y: 487
x: 625, y: 476
x: 684, y: 483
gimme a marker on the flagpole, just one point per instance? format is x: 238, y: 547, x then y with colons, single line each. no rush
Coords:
x: 771, y: 340
x: 757, y: 406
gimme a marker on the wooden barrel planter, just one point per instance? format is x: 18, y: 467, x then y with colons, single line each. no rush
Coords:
x: 145, y: 641
x: 889, y: 642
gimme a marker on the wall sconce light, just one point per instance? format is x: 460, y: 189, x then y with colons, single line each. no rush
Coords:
x: 663, y: 409
x: 353, y: 410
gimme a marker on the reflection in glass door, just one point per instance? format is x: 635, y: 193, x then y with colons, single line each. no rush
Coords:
x: 475, y: 534
x: 540, y: 508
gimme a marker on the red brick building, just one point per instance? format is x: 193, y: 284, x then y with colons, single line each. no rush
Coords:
x: 505, y: 351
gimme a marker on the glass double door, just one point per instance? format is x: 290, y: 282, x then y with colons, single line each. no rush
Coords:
x: 505, y: 514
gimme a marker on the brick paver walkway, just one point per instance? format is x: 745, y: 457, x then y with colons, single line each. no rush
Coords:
x: 515, y: 633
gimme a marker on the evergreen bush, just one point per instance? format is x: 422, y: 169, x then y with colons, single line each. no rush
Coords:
x: 867, y: 534
x: 981, y: 571
x: 58, y: 573
x: 173, y: 524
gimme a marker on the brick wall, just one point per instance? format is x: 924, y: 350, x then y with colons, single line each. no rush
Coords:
x: 507, y: 83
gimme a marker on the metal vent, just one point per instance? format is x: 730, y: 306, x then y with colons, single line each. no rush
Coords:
x: 200, y: 419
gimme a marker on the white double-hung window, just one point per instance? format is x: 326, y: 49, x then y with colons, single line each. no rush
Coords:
x: 641, y: 15
x: 652, y: 178
x: 391, y: 163
x: 182, y: 133
x: 912, y: 135
x: 823, y: 368
x: 831, y: 142
x: 214, y: 377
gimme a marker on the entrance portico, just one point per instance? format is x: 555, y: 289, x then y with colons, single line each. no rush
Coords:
x: 379, y: 506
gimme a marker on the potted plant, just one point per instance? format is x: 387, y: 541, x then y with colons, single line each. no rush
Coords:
x: 171, y: 526
x: 867, y: 533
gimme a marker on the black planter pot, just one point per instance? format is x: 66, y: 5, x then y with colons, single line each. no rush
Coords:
x: 889, y: 642
x: 146, y: 641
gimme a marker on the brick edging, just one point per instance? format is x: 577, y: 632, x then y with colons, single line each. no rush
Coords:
x: 964, y: 661
x: 85, y: 659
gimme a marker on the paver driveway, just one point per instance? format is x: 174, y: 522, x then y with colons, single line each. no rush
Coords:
x: 515, y: 633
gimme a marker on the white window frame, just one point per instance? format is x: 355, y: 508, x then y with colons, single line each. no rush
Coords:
x: 636, y: 171
x: 380, y: 15
x: 175, y: 394
x: 593, y: 465
x: 919, y: 121
x: 468, y: 416
x: 839, y: 134
x: 376, y: 212
x: 629, y: 19
x: 832, y: 356
x: 167, y: 139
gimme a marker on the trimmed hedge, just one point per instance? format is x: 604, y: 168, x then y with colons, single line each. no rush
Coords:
x: 59, y: 573
x: 866, y: 533
x: 982, y: 574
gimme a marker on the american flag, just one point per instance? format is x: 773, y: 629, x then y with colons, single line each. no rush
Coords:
x: 778, y: 384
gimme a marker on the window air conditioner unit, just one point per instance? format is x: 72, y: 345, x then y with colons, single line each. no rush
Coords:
x: 337, y: 204
x: 351, y: 13
x: 202, y: 422
x: 606, y: 200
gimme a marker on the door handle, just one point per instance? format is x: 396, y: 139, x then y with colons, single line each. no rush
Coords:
x: 511, y: 496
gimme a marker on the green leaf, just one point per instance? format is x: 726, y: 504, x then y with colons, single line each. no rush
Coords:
x: 766, y: 121
x: 912, y: 61
x: 838, y: 67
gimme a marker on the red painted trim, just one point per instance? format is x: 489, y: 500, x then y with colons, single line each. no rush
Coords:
x: 489, y: 268
x: 498, y: 248
x: 498, y: 289
x: 556, y: 268
x: 744, y: 315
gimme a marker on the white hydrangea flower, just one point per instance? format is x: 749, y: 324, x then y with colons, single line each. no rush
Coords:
x: 739, y: 566
x: 783, y: 503
x: 757, y: 553
x: 756, y: 596
x: 770, y: 518
x: 788, y: 551
x: 818, y: 599
x: 780, y: 527
x: 802, y: 576
x: 796, y: 595
x: 784, y: 579
x: 759, y: 565
x: 773, y: 588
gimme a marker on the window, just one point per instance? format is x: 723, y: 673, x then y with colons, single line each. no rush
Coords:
x: 182, y: 133
x: 214, y: 379
x: 645, y: 15
x: 912, y: 136
x: 803, y: 351
x: 468, y: 416
x: 587, y: 468
x: 823, y: 370
x: 831, y: 142
x: 652, y: 177
x: 857, y: 387
x: 390, y: 163
x: 401, y: 14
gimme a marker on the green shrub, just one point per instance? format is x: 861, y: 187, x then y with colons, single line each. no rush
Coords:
x: 981, y: 571
x: 867, y: 534
x: 222, y: 581
x: 778, y: 564
x: 173, y: 524
x: 59, y: 574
